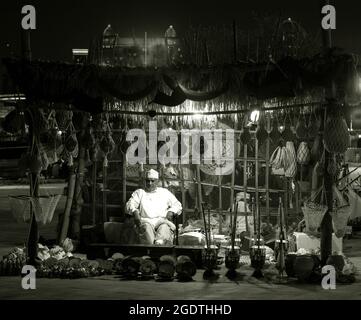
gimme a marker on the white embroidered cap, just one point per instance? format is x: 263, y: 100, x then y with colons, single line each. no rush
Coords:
x: 152, y: 174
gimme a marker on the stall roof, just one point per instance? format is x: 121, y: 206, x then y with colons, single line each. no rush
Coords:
x: 94, y: 88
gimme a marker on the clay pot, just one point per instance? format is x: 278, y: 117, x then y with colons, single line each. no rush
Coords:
x: 337, y: 261
x: 185, y: 268
x: 232, y: 258
x: 289, y: 263
x: 303, y: 267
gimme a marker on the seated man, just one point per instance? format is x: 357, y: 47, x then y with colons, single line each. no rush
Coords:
x: 152, y: 209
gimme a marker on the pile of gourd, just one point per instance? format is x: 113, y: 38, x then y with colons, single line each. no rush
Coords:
x: 12, y: 263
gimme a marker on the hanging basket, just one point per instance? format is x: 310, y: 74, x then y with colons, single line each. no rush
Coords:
x: 339, y: 220
x: 20, y: 208
x: 43, y: 206
x: 313, y: 214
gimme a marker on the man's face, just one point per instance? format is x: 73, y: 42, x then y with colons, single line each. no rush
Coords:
x: 150, y: 184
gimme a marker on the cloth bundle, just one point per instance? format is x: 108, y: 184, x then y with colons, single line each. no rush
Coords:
x: 285, y: 158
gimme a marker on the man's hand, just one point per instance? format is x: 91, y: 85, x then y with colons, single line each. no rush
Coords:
x: 170, y: 215
x: 136, y: 216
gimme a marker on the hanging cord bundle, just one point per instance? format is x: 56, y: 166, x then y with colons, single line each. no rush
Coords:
x: 258, y: 252
x: 71, y: 143
x: 233, y: 253
x: 210, y: 253
x: 261, y: 132
x: 281, y: 246
x: 52, y: 138
x: 336, y: 135
x: 107, y: 144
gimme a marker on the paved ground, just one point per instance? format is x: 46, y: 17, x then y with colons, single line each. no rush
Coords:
x: 111, y: 287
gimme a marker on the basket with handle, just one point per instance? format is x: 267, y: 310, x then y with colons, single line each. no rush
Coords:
x: 314, y: 211
x: 43, y: 207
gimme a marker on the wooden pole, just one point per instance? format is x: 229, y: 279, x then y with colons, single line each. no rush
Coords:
x: 235, y: 41
x: 124, y: 174
x: 268, y: 212
x: 199, y: 185
x: 145, y: 49
x: 105, y: 173
x: 231, y: 201
x: 245, y: 185
x: 258, y: 209
x: 77, y: 202
x: 181, y: 175
x: 326, y: 225
x: 33, y: 237
x: 94, y: 191
x: 69, y: 202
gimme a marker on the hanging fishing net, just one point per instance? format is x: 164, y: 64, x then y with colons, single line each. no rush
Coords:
x: 340, y: 214
x: 43, y: 207
x: 314, y: 211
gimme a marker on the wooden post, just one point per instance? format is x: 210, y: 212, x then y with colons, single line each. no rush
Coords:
x: 77, y: 202
x: 235, y: 145
x: 245, y: 185
x: 235, y: 41
x: 33, y: 237
x: 268, y: 212
x: 258, y: 209
x: 199, y: 185
x: 105, y: 172
x: 94, y: 192
x: 69, y: 201
x: 220, y: 207
x: 326, y: 225
x: 124, y: 174
x: 180, y: 168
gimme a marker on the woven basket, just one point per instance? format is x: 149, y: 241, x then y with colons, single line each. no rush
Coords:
x: 339, y: 220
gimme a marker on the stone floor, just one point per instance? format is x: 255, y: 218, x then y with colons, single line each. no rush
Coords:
x: 111, y: 287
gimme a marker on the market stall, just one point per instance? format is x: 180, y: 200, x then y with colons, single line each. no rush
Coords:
x: 275, y: 191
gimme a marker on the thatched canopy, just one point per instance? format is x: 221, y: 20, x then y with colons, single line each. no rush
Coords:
x: 185, y: 88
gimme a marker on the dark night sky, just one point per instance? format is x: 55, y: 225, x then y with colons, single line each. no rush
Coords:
x: 63, y: 25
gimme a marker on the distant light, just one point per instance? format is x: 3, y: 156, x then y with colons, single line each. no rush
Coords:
x: 8, y: 97
x: 59, y: 132
x: 254, y: 117
x: 359, y: 136
x: 80, y: 51
x: 282, y: 128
